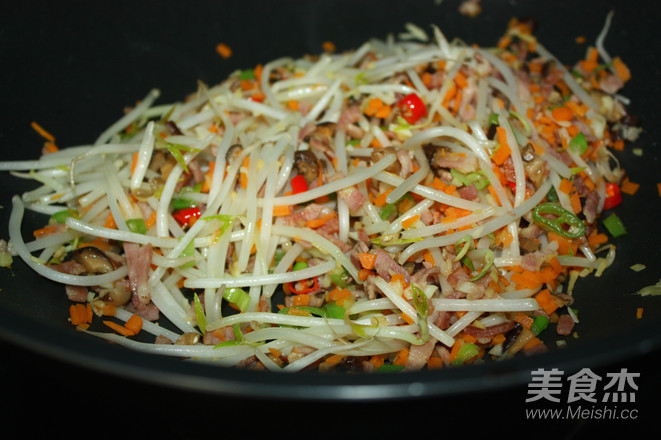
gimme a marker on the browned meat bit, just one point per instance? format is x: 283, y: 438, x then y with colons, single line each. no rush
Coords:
x: 321, y: 139
x: 93, y: 259
x: 380, y: 153
x: 307, y: 164
x: 535, y: 167
x: 233, y: 152
x: 441, y: 158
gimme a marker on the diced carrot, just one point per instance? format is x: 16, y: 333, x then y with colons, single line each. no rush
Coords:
x: 402, y: 357
x: 575, y: 202
x: 629, y: 187
x: 565, y: 245
x: 469, y: 338
x: 367, y: 260
x: 43, y: 133
x: 504, y: 151
x: 376, y: 360
x: 546, y: 301
x: 429, y: 258
x: 533, y: 342
x: 434, y: 363
x: 460, y: 80
x: 639, y: 313
x: 398, y: 277
x: 118, y: 328
x: 223, y: 50
x: 597, y: 238
x: 134, y: 324
x: 339, y: 295
x: 407, y: 319
x: 46, y: 230
x: 454, y: 351
x: 301, y: 300
x: 51, y: 147
x: 498, y: 339
x: 380, y: 200
x: 562, y: 114
x: 134, y: 162
x: 293, y: 105
x: 410, y: 221
x: 364, y: 274
x: 281, y: 210
x: 566, y: 186
x: 110, y: 222
x: 621, y: 69
x: 523, y: 319
x: 658, y: 188
x: 109, y: 309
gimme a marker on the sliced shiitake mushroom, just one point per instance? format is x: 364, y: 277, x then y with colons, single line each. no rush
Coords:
x: 307, y: 164
x: 93, y: 259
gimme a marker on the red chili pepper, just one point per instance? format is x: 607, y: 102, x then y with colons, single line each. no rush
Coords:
x: 186, y: 216
x: 299, y: 184
x: 412, y: 108
x: 304, y: 286
x: 613, y: 196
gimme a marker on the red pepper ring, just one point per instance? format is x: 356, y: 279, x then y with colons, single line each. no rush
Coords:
x: 613, y: 196
x: 187, y: 216
x: 303, y: 286
x: 412, y: 108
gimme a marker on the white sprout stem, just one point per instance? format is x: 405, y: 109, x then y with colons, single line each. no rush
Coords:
x: 131, y: 116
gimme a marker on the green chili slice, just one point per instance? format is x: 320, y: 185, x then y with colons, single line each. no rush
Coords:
x: 575, y: 226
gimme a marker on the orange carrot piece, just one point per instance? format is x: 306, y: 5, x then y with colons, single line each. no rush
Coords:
x: 367, y: 260
x: 43, y: 133
x: 566, y: 186
x: 402, y: 357
x: 281, y: 210
x: 409, y: 221
x: 118, y: 328
x: 504, y: 151
x: 223, y: 50
x: 562, y: 114
x: 621, y: 69
x: 134, y: 324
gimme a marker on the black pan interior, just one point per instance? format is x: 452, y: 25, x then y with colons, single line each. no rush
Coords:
x: 73, y: 66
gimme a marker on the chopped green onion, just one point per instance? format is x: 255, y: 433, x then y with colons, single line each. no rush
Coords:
x: 199, y: 314
x: 313, y: 310
x: 562, y: 217
x: 388, y: 368
x: 489, y: 258
x: 421, y: 306
x: 299, y: 265
x: 247, y: 74
x: 466, y: 353
x: 61, y: 216
x: 187, y: 252
x: 182, y: 203
x: 387, y: 211
x: 614, y: 225
x: 539, y: 324
x: 333, y: 310
x: 238, y: 297
x: 340, y: 277
x: 137, y: 225
x: 578, y: 144
x: 493, y: 119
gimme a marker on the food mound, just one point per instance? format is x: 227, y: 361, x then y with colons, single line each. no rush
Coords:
x: 414, y: 203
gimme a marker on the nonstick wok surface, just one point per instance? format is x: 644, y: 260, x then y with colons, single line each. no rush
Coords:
x: 73, y: 66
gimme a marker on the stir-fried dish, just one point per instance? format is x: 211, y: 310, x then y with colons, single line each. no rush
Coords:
x: 414, y: 203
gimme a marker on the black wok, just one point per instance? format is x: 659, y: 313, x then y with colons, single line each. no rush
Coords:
x: 73, y: 66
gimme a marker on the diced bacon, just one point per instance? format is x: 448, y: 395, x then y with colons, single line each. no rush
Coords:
x: 419, y: 355
x: 310, y: 212
x: 138, y: 261
x: 468, y: 192
x: 348, y: 117
x: 69, y: 267
x: 76, y: 293
x: 354, y: 198
x: 565, y: 325
x: 406, y: 163
x: 490, y: 331
x: 148, y: 311
x: 385, y: 266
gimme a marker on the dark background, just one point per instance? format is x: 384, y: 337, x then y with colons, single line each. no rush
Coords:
x: 73, y: 66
